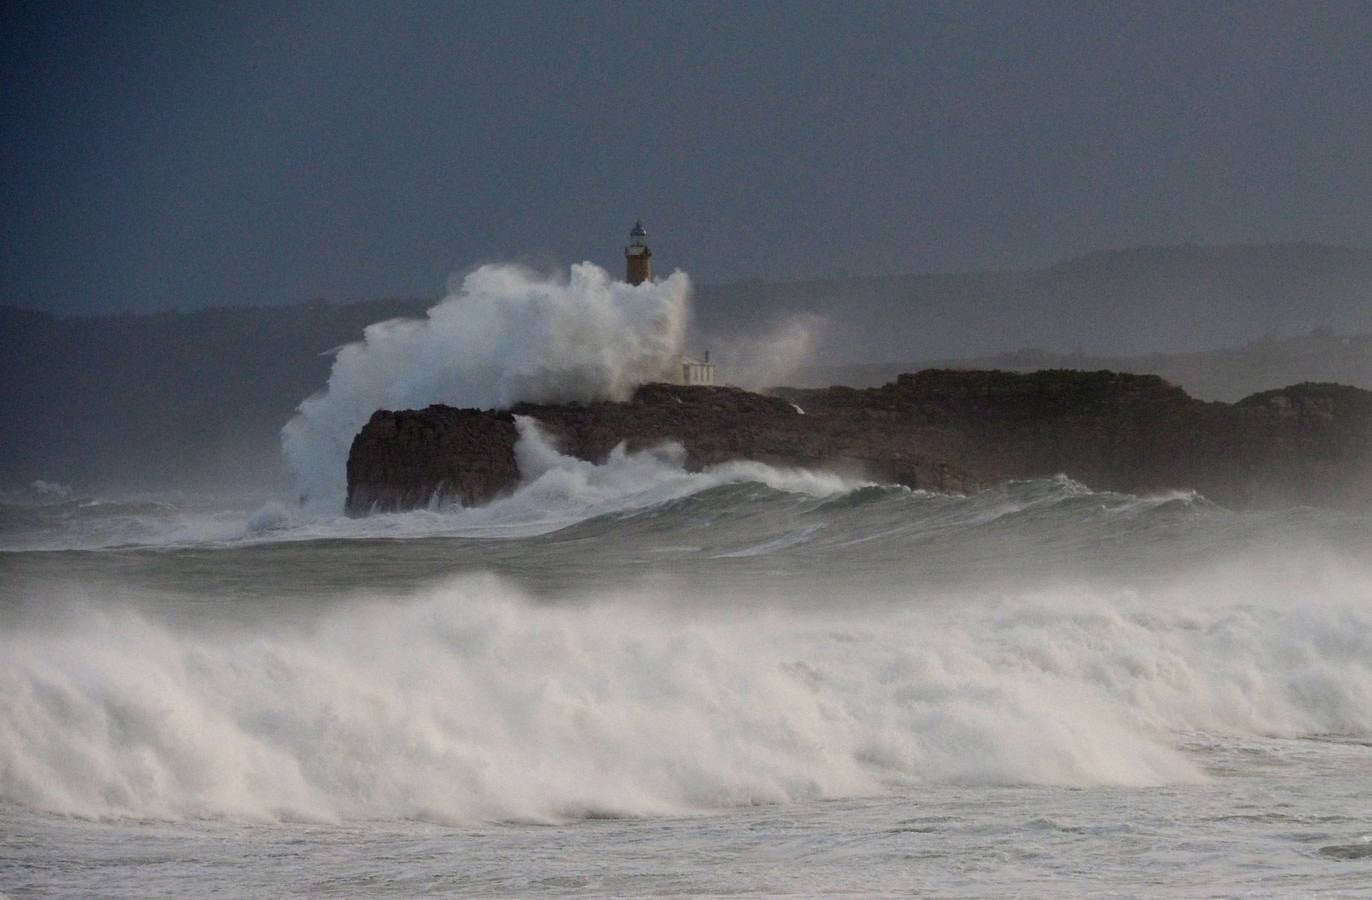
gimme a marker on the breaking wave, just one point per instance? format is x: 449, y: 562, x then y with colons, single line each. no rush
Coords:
x: 557, y: 491
x: 734, y: 509
x: 472, y: 701
x: 560, y: 491
x: 505, y: 335
x: 641, y: 639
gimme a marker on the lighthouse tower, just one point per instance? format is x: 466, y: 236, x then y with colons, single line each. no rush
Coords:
x: 638, y: 259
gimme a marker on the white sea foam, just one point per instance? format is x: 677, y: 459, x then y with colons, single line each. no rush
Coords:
x: 559, y: 490
x: 471, y: 701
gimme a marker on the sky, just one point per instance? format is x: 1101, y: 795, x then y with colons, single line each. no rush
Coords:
x: 180, y: 155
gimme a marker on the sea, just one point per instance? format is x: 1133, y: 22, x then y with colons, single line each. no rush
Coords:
x: 630, y: 679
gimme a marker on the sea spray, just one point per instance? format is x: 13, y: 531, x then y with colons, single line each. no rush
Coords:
x: 505, y: 335
x: 768, y: 358
x: 471, y: 700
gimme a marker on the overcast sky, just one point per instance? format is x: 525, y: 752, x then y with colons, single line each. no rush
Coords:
x: 173, y: 155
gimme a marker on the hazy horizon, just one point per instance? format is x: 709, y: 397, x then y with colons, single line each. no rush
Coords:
x: 560, y: 271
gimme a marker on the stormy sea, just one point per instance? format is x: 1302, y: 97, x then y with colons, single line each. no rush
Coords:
x: 630, y: 679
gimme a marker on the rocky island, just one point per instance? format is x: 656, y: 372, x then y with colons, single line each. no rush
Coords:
x: 940, y: 430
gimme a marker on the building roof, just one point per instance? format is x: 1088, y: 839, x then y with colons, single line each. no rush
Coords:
x: 639, y: 231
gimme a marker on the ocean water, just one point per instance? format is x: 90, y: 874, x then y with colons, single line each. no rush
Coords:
x: 627, y: 679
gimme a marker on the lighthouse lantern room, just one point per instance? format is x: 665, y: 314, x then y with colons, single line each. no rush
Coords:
x: 638, y: 259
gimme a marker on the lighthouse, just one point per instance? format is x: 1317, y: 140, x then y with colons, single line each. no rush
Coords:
x: 638, y: 259
x: 638, y: 268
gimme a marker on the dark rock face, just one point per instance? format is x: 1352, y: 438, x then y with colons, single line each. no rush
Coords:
x: 1305, y: 444
x: 405, y: 460
x: 936, y: 430
x: 718, y: 424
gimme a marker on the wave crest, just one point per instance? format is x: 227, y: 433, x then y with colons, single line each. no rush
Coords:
x: 472, y: 701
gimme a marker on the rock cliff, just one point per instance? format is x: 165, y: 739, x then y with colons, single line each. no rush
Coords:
x: 938, y: 430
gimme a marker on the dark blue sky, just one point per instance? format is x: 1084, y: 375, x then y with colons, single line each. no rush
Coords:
x: 184, y: 154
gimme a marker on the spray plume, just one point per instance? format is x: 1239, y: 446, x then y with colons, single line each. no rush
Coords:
x: 764, y: 360
x: 505, y: 335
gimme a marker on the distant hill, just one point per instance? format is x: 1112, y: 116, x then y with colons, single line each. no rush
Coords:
x: 166, y: 400
x: 198, y: 398
x: 1228, y: 374
x: 1113, y: 303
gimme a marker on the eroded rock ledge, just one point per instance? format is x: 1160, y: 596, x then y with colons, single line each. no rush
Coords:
x: 939, y: 430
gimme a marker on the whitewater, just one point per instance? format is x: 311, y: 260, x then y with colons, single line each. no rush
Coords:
x: 628, y: 678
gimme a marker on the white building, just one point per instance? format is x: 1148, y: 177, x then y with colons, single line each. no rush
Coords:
x: 697, y: 371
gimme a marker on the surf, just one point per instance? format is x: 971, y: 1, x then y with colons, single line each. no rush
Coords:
x: 475, y: 700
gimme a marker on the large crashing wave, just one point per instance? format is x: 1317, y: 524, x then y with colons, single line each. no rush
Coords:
x: 504, y: 336
x: 472, y: 701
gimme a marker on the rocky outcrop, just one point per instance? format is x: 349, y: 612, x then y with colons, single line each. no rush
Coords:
x: 409, y: 459
x: 938, y: 430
